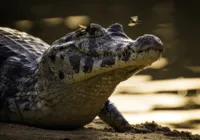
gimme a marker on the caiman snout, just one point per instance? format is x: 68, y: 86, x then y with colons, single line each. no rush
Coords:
x: 149, y: 42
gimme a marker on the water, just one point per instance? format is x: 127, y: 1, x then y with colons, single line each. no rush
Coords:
x: 174, y: 99
x: 170, y: 102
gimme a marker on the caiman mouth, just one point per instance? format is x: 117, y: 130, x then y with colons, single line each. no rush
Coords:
x: 110, y: 51
x: 127, y: 55
x: 126, y: 59
x: 161, y: 50
x: 121, y: 53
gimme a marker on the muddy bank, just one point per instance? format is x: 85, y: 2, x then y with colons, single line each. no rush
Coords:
x: 93, y: 131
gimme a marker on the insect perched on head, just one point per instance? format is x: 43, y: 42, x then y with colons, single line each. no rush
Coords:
x: 81, y: 30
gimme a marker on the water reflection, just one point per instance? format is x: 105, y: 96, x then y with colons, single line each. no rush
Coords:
x: 24, y: 25
x: 72, y: 22
x: 161, y: 63
x: 145, y: 103
x: 180, y: 85
x: 170, y: 109
x: 52, y: 21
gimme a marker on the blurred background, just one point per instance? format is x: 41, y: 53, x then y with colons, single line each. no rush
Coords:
x: 168, y: 92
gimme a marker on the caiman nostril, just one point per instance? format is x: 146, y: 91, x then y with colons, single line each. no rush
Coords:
x: 149, y: 41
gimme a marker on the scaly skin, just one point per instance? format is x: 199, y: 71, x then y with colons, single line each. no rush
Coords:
x: 68, y: 84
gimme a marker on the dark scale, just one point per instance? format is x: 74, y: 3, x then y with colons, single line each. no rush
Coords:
x: 52, y: 57
x: 62, y: 57
x: 75, y: 62
x: 108, y: 61
x: 61, y: 75
x: 88, y: 64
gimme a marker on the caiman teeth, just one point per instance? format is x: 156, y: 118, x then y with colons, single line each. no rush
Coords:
x: 121, y: 53
x: 149, y: 49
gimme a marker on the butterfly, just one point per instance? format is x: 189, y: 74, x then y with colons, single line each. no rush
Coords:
x: 134, y: 21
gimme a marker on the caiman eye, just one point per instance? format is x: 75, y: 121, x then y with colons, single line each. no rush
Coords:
x: 80, y: 33
x: 116, y: 26
x: 94, y: 30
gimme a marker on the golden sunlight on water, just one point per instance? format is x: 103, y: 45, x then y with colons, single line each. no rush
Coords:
x: 72, y: 22
x: 179, y: 84
x: 195, y: 69
x: 139, y: 109
x: 24, y: 25
x: 166, y: 108
x: 162, y: 62
x: 144, y: 103
x: 53, y: 21
x: 167, y: 118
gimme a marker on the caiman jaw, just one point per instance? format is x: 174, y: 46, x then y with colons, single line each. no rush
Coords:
x: 130, y: 56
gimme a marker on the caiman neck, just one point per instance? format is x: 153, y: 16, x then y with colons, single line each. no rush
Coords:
x: 48, y: 82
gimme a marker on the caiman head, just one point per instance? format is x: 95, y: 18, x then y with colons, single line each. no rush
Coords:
x: 94, y: 50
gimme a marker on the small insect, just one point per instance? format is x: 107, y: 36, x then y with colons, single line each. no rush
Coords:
x: 82, y: 26
x: 134, y: 21
x: 81, y: 30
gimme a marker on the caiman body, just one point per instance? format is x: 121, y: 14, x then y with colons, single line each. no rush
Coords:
x: 66, y: 85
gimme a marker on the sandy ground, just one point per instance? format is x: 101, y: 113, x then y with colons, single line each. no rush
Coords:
x: 96, y: 130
